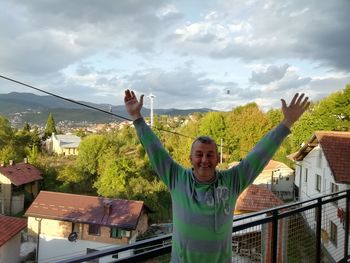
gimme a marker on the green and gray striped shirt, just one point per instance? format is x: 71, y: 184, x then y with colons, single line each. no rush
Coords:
x: 203, y: 212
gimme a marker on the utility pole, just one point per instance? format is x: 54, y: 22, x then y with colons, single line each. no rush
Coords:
x: 151, y: 96
x: 221, y: 151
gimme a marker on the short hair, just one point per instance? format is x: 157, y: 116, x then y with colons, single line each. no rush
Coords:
x: 206, y: 140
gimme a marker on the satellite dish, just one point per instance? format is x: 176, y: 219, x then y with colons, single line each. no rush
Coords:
x: 73, y: 236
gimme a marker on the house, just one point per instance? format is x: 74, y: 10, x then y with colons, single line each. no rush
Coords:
x: 277, y: 177
x: 19, y: 185
x: 255, y: 243
x: 323, y: 167
x: 10, y: 238
x: 64, y: 144
x: 69, y: 224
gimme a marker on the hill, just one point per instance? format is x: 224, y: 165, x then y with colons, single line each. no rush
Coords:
x: 34, y: 109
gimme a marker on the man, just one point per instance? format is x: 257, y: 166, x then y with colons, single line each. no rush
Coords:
x: 203, y: 198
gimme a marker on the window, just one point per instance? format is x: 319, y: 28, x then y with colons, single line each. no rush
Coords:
x: 334, y: 233
x: 319, y: 158
x: 116, y: 232
x: 306, y: 172
x: 318, y: 182
x: 94, y: 230
x: 334, y: 189
x: 119, y: 233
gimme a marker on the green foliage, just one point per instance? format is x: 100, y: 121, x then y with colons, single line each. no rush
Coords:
x: 330, y: 114
x: 112, y: 180
x: 7, y: 153
x: 246, y: 125
x: 213, y: 125
x: 114, y: 164
x: 6, y: 132
x: 50, y: 126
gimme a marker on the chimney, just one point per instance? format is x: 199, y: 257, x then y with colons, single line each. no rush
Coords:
x: 107, y: 208
x: 11, y: 162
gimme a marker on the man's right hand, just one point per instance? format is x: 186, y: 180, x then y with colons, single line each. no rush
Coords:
x: 132, y: 105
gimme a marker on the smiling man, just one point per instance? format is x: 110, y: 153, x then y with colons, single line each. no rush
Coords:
x: 203, y: 198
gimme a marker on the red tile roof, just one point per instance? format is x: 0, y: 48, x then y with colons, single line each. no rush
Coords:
x: 257, y: 198
x: 337, y: 152
x: 9, y: 227
x: 336, y: 148
x: 87, y: 209
x: 21, y: 173
x: 274, y: 165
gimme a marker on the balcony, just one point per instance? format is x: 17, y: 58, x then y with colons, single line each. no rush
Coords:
x: 316, y: 230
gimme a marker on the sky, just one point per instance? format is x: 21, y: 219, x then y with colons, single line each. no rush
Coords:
x: 188, y: 54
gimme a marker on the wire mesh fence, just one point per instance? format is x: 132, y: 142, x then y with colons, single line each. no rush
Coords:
x: 316, y: 230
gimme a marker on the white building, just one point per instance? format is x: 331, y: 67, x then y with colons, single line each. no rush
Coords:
x: 67, y: 225
x: 323, y: 167
x: 278, y: 178
x: 64, y: 144
x: 10, y: 239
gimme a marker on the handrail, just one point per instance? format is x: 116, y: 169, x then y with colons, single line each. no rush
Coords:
x: 270, y: 216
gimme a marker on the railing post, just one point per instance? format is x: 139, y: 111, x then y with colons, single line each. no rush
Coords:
x: 318, y: 230
x: 346, y: 241
x: 274, y: 242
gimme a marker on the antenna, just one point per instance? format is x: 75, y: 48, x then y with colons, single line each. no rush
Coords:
x: 151, y: 96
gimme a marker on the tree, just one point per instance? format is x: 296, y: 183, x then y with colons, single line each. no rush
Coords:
x: 329, y: 114
x: 6, y: 132
x: 50, y: 126
x: 245, y: 127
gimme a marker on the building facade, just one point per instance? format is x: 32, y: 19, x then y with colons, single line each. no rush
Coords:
x: 66, y: 224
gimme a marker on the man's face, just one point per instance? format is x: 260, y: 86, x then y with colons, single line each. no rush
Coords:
x: 204, y: 159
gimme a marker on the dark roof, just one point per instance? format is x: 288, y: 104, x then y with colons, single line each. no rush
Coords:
x: 336, y: 148
x: 257, y: 198
x: 21, y: 173
x: 87, y: 209
x: 9, y: 227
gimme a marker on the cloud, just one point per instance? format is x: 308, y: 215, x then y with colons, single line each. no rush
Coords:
x: 310, y: 30
x: 272, y: 73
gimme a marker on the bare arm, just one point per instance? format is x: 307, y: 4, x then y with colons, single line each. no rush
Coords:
x: 296, y: 108
x: 133, y: 105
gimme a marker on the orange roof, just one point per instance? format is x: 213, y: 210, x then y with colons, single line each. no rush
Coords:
x: 336, y: 148
x: 86, y: 209
x: 9, y: 227
x: 274, y: 165
x: 21, y: 173
x: 257, y: 198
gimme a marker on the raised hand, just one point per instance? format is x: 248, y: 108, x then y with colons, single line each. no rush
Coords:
x: 296, y: 108
x: 132, y: 105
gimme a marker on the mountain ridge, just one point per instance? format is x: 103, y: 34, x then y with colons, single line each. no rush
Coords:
x: 21, y: 107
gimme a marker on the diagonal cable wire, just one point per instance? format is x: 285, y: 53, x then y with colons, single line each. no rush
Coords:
x: 83, y: 104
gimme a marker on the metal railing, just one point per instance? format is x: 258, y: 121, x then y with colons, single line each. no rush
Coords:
x: 316, y: 230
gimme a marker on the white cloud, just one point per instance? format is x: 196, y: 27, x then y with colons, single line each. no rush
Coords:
x: 187, y: 53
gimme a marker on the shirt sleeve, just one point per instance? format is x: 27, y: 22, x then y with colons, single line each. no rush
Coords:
x: 166, y: 168
x: 252, y: 165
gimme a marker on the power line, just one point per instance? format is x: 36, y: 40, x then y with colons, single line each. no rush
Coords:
x: 83, y: 104
x: 63, y: 98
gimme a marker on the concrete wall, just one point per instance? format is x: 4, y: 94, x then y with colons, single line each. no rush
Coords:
x: 10, y: 251
x: 5, y: 194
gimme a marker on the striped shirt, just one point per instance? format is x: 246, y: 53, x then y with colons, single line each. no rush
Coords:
x: 203, y: 212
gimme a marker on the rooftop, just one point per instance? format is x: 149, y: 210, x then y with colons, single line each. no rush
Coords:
x: 86, y: 209
x: 336, y: 148
x: 256, y: 198
x: 21, y: 173
x: 9, y: 227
